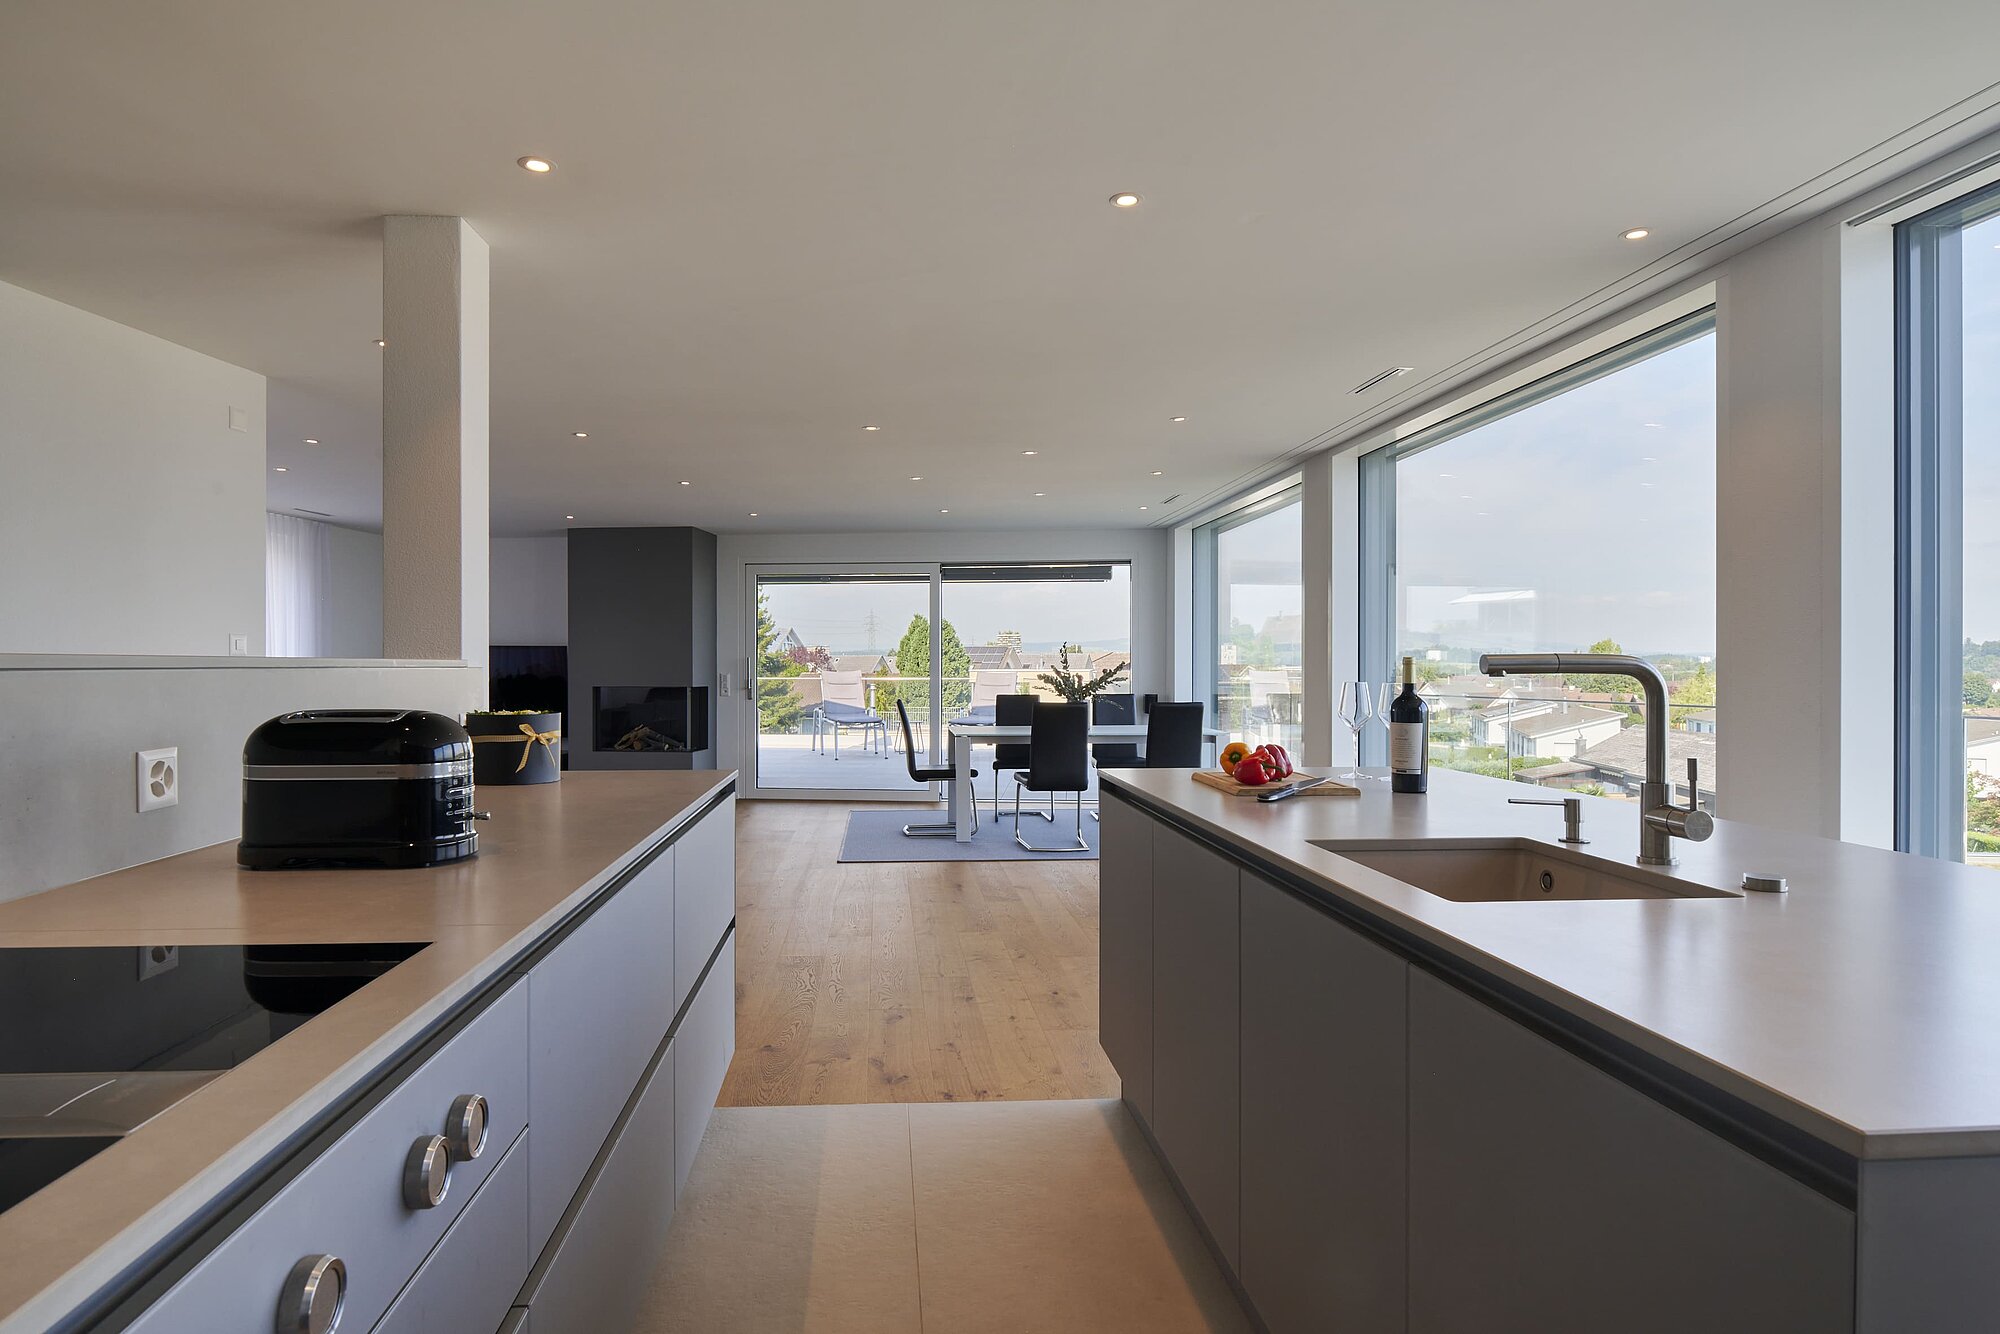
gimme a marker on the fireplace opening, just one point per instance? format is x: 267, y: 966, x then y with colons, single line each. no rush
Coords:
x: 650, y: 718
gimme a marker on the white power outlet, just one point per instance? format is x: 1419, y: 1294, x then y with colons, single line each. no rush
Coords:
x: 239, y: 646
x: 159, y: 777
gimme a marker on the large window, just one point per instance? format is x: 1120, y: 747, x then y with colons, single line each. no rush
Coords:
x: 1948, y: 481
x: 1250, y: 627
x: 1577, y: 514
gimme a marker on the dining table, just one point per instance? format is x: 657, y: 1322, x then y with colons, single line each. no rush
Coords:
x: 965, y: 734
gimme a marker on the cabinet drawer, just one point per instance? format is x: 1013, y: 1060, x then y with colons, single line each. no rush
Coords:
x: 349, y: 1202
x: 702, y: 1051
x: 599, y: 1006
x: 469, y: 1283
x: 594, y: 1273
x: 704, y: 893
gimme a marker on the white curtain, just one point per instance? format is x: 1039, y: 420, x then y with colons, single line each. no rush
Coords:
x: 298, y: 578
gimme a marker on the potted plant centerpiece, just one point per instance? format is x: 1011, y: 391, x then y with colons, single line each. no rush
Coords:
x: 511, y: 746
x: 1077, y: 687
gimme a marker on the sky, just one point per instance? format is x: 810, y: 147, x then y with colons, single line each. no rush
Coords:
x: 1981, y: 270
x: 1600, y: 500
x: 1096, y: 615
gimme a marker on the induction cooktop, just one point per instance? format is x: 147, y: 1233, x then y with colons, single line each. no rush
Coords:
x: 99, y: 1040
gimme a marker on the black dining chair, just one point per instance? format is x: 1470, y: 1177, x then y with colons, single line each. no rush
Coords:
x: 1014, y: 711
x: 932, y: 774
x: 1058, y: 761
x: 1112, y: 709
x: 1173, y: 735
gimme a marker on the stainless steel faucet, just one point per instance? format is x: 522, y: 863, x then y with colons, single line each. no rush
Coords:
x: 1660, y: 821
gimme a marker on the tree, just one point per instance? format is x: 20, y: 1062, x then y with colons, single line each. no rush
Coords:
x: 913, y: 660
x: 1603, y: 683
x: 811, y: 658
x: 1978, y: 690
x: 1697, y: 692
x: 778, y: 706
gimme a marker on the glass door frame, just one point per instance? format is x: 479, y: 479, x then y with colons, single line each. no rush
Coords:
x: 832, y: 571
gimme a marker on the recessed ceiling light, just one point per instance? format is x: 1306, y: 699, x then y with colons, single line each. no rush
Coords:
x: 381, y: 342
x: 569, y: 516
x: 281, y: 470
x: 871, y: 428
x: 581, y: 435
x: 1180, y: 419
x: 541, y: 166
x: 1040, y: 494
x: 1637, y: 234
x: 1124, y: 199
x: 944, y: 511
x: 753, y: 514
x: 311, y: 441
x: 1145, y: 507
x: 1027, y: 453
x: 1159, y: 474
x: 916, y: 479
x: 687, y: 483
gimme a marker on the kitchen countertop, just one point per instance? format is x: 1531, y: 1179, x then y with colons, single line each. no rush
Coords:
x: 546, y: 849
x: 1862, y: 1008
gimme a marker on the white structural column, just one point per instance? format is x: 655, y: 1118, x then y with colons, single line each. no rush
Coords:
x: 435, y: 395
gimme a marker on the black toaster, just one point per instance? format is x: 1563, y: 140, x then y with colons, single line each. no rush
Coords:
x: 357, y: 787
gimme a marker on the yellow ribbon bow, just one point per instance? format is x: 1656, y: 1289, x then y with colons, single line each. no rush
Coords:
x: 529, y: 736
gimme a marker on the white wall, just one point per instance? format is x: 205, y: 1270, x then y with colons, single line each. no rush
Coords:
x: 530, y: 582
x: 131, y: 514
x: 67, y: 788
x: 1148, y: 549
x: 354, y: 593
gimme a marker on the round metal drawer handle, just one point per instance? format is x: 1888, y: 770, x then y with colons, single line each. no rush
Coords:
x: 314, y: 1295
x: 427, y: 1173
x: 465, y: 1126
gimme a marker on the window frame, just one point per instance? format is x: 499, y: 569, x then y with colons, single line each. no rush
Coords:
x: 1376, y: 529
x: 1930, y: 525
x: 1207, y: 643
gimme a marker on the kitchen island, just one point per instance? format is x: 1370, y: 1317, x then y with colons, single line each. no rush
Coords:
x: 576, y: 977
x: 1396, y: 1111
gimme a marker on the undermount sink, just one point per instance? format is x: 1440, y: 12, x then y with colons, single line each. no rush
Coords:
x: 1512, y: 870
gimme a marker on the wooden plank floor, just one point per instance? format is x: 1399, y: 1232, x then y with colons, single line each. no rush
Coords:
x: 907, y: 982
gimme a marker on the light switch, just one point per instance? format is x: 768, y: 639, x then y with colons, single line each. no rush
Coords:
x: 239, y: 646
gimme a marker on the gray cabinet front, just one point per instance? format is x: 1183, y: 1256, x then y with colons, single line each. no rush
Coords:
x: 599, y: 1006
x: 1195, y: 980
x: 593, y: 1277
x: 1324, y: 1077
x: 703, y: 1047
x: 1125, y: 950
x: 704, y: 893
x: 1548, y: 1198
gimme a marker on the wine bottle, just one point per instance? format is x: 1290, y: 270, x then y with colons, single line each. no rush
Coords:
x: 1409, y: 736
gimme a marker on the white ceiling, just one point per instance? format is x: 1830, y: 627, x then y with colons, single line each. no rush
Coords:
x: 773, y: 225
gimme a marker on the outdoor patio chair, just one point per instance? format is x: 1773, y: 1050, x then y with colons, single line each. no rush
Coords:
x: 844, y: 704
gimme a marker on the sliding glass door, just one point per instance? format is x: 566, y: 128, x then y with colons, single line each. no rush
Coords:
x: 835, y: 650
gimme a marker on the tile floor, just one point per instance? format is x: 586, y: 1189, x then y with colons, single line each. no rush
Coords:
x: 1052, y: 1217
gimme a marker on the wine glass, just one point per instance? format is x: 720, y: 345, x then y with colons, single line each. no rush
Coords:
x: 1357, y: 707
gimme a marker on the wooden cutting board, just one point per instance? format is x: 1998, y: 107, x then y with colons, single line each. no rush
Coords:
x: 1222, y: 782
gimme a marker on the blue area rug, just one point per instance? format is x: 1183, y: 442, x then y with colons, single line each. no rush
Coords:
x: 877, y: 836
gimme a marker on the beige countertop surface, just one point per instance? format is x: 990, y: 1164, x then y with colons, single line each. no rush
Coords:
x: 546, y: 849
x: 1863, y: 1007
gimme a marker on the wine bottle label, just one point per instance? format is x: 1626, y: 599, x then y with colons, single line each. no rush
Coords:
x: 1406, y: 747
